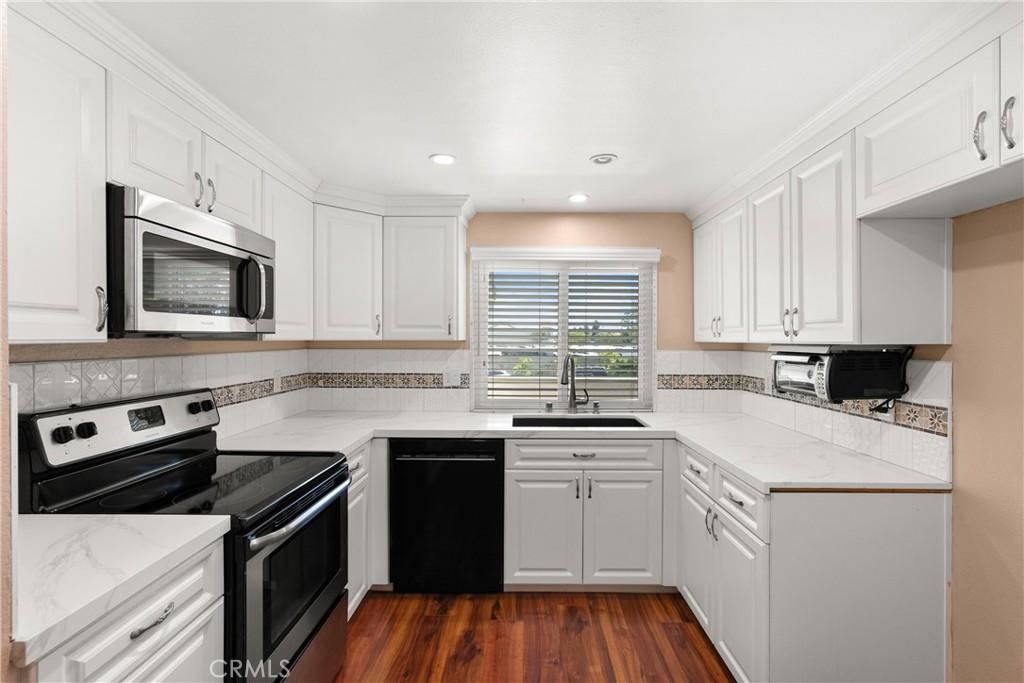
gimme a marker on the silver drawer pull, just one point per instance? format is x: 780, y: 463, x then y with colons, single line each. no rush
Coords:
x: 713, y: 520
x: 584, y: 455
x: 159, y: 620
x: 706, y: 515
x: 577, y: 488
x: 734, y: 499
x: 695, y: 470
x: 358, y: 466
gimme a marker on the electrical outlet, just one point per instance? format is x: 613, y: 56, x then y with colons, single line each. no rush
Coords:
x: 451, y: 378
x: 277, y: 381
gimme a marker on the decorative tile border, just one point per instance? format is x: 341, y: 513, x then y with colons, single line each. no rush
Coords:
x: 252, y: 391
x: 923, y: 418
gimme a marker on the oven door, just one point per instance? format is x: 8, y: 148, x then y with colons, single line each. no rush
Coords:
x: 179, y: 283
x: 294, y: 576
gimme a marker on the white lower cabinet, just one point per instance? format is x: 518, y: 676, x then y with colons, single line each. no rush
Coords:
x: 582, y: 526
x: 358, y: 541
x: 189, y: 657
x: 694, y: 566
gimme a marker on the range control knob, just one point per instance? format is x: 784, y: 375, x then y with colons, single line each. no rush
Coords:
x: 194, y: 408
x: 63, y: 434
x: 207, y: 405
x: 86, y: 430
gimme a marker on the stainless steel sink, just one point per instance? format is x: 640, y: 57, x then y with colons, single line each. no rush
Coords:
x: 577, y: 421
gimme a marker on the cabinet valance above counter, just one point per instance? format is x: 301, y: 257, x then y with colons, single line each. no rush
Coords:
x: 764, y: 456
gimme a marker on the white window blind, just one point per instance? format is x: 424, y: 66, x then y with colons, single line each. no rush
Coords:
x: 529, y: 313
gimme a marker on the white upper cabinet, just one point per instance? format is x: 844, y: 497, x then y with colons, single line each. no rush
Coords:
x: 1011, y: 95
x: 424, y: 278
x: 942, y: 132
x: 720, y: 277
x: 56, y: 194
x: 348, y: 274
x: 153, y: 148
x: 622, y: 527
x: 288, y: 220
x: 769, y: 237
x: 234, y: 186
x: 822, y: 248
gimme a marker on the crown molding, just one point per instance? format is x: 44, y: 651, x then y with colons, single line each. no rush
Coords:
x: 590, y: 254
x: 919, y: 49
x: 395, y: 205
x: 122, y: 41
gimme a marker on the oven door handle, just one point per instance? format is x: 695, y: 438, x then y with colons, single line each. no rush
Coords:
x: 302, y: 520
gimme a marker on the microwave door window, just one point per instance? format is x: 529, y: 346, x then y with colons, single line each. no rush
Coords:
x: 186, y: 279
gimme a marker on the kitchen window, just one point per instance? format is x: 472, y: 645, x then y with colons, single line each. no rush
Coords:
x: 533, y: 306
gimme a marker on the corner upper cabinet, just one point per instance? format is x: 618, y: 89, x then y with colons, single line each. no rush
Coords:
x: 424, y: 278
x: 153, y: 148
x: 56, y: 192
x: 348, y: 260
x: 288, y: 220
x: 769, y: 237
x: 942, y: 132
x: 720, y: 277
x: 1011, y: 95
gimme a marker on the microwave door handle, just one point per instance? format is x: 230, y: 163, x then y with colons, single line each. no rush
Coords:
x: 262, y: 286
x: 292, y: 527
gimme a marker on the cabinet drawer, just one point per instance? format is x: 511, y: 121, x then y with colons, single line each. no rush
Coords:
x: 697, y: 469
x: 746, y: 505
x: 359, y: 462
x: 544, y: 454
x: 108, y: 652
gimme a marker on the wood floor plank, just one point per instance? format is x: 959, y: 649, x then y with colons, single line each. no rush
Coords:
x: 528, y: 637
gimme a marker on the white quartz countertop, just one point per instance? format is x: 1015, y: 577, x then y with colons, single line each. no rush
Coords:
x: 765, y: 456
x: 71, y: 570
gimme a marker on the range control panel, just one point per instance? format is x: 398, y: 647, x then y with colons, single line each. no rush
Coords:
x: 77, y: 434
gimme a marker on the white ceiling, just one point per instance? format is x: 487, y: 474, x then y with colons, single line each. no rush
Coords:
x: 687, y: 94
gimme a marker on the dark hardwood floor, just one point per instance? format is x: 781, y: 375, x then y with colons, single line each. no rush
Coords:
x: 511, y: 637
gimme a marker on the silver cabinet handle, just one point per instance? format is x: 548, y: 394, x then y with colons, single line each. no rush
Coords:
x: 159, y: 620
x: 706, y: 515
x: 978, y: 142
x: 590, y: 487
x: 202, y: 190
x: 378, y: 324
x: 733, y: 499
x: 213, y: 195
x: 713, y: 520
x: 1006, y: 123
x: 584, y: 455
x: 577, y: 488
x: 785, y: 314
x: 104, y: 308
x: 713, y: 334
x: 302, y: 520
x: 449, y: 326
x: 792, y: 321
x: 695, y: 470
x: 358, y: 466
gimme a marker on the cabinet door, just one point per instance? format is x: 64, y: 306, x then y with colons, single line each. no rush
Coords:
x: 740, y: 620
x: 824, y: 258
x: 926, y: 139
x: 421, y: 274
x: 56, y: 189
x: 347, y: 272
x: 696, y: 551
x: 732, y: 274
x: 1011, y: 85
x: 769, y: 261
x: 622, y: 527
x: 234, y: 186
x: 544, y: 526
x: 704, y: 275
x: 288, y: 220
x: 358, y: 533
x: 192, y: 655
x: 153, y: 148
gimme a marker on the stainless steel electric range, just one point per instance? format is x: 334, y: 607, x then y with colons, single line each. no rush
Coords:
x: 286, y: 554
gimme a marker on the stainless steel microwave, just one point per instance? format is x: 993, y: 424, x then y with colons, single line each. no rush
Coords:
x: 174, y: 270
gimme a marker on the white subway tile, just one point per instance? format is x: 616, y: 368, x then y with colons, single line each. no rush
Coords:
x: 691, y: 362
x: 365, y: 360
x: 253, y: 367
x: 344, y: 360
x: 236, y: 364
x: 22, y: 375
x: 857, y: 433
x: 932, y: 456
x: 667, y: 363
x: 320, y: 399
x: 457, y: 400
x: 691, y: 401
x: 138, y: 377
x: 320, y: 360
x: 667, y: 401
x: 930, y: 382
x: 754, y: 405
x: 782, y: 413
x: 345, y: 399
x: 217, y: 369
x: 721, y: 362
x: 722, y: 401
x: 193, y: 372
x: 168, y: 374
x: 232, y: 420
x: 897, y: 445
x: 816, y: 422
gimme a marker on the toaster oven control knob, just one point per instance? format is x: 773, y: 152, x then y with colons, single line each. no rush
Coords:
x: 86, y: 430
x: 63, y: 434
x: 194, y: 408
x: 207, y: 405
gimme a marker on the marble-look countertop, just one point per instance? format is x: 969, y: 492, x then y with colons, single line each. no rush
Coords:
x: 71, y: 570
x: 765, y: 456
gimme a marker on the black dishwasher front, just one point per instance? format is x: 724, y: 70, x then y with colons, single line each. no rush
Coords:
x: 446, y: 515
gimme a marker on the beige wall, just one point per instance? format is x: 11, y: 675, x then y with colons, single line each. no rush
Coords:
x: 988, y: 445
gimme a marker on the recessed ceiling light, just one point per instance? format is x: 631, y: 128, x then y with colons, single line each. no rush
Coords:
x: 602, y: 159
x: 578, y: 198
x: 443, y: 159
